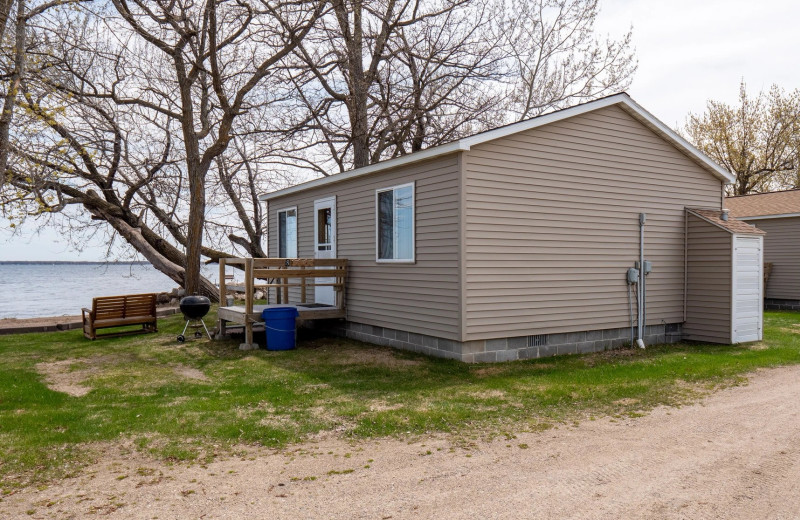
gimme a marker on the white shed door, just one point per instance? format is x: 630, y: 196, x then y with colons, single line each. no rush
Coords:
x: 748, y: 297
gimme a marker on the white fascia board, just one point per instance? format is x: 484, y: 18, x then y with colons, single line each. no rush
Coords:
x: 670, y: 135
x: 466, y: 143
x: 430, y: 153
x: 765, y: 217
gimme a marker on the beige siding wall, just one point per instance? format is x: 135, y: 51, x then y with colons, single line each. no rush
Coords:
x: 708, y: 298
x: 424, y: 297
x: 551, y: 225
x: 782, y: 249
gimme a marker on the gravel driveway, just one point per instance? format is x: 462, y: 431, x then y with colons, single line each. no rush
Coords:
x: 736, y: 454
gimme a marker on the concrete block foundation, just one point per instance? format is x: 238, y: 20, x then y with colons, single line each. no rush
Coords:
x: 506, y: 349
x: 776, y: 304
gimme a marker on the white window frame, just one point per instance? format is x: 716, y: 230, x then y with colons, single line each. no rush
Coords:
x: 413, y: 258
x: 296, y: 231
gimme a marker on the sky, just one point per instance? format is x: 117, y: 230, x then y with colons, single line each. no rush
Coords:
x: 689, y: 51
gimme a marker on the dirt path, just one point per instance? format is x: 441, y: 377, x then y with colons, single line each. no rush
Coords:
x: 734, y: 455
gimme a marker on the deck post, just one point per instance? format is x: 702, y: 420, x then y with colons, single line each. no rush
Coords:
x: 248, y: 306
x: 223, y: 295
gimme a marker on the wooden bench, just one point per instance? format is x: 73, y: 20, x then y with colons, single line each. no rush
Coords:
x: 119, y: 311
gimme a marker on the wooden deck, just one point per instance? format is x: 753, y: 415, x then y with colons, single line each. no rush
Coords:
x: 276, y: 276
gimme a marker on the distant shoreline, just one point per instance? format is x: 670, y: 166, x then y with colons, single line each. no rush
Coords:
x: 67, y: 262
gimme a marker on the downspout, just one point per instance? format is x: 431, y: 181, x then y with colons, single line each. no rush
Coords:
x: 685, y: 262
x: 640, y: 286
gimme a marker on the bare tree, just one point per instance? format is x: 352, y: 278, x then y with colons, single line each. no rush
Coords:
x: 758, y: 140
x: 139, y: 103
x: 555, y: 59
x: 381, y: 78
x: 15, y: 64
x: 373, y: 69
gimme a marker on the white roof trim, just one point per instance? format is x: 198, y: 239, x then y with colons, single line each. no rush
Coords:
x: 628, y: 104
x: 763, y: 217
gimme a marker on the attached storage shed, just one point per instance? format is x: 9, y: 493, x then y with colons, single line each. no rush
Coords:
x: 515, y: 243
x: 777, y: 213
x: 724, y: 260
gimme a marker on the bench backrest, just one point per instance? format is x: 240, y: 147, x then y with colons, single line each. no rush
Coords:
x: 126, y: 306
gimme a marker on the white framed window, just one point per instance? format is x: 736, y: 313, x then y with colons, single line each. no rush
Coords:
x: 394, y: 224
x: 287, y: 233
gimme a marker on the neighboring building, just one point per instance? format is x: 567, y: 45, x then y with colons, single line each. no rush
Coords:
x: 515, y: 243
x: 777, y: 213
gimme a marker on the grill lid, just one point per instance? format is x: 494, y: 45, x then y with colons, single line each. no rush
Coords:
x: 195, y: 307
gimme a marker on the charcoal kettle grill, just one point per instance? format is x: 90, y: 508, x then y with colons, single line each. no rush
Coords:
x: 194, y: 308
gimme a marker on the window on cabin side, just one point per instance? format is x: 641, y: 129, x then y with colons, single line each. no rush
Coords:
x: 287, y: 233
x: 395, y: 222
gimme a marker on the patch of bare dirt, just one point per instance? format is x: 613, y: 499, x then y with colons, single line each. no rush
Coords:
x: 382, y: 406
x: 189, y: 373
x: 374, y: 357
x: 489, y: 394
x: 59, y: 377
x: 69, y: 376
x: 736, y: 454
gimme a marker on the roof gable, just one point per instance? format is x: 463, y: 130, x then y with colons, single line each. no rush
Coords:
x: 622, y: 100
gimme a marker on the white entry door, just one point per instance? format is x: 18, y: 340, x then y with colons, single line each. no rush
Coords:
x: 325, y: 245
x: 748, y: 296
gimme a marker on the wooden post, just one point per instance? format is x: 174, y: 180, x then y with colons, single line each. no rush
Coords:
x: 285, y: 282
x: 303, y: 290
x: 248, y: 303
x: 223, y: 295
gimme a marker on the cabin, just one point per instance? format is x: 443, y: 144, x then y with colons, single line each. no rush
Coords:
x: 778, y: 214
x: 566, y: 233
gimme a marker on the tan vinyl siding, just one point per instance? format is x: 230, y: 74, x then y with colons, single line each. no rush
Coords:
x: 708, y: 295
x: 782, y: 249
x: 551, y: 225
x: 423, y: 297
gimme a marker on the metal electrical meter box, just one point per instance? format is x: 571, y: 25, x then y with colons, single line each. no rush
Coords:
x: 648, y: 266
x: 633, y: 275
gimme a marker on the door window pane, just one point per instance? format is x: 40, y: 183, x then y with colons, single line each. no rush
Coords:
x: 324, y: 230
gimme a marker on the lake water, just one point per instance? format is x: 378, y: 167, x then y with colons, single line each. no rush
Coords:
x: 34, y: 290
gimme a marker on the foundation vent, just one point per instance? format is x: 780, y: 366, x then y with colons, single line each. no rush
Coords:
x: 538, y: 340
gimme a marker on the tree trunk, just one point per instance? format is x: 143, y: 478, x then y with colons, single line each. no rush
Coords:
x: 359, y: 119
x: 19, y: 64
x: 174, y: 271
x: 194, y: 236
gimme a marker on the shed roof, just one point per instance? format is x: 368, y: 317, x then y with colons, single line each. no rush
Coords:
x: 765, y: 205
x: 623, y: 100
x: 732, y: 225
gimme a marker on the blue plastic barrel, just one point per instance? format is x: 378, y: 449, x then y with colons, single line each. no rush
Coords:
x: 279, y: 323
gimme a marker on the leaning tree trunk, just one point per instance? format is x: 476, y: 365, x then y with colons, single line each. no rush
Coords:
x: 157, y: 258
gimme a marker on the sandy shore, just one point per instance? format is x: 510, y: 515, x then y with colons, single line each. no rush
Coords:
x: 10, y: 323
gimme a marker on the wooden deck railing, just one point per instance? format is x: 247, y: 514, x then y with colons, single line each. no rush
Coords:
x: 278, y: 275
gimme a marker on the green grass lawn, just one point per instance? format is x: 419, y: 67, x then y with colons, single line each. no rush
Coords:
x: 187, y: 401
